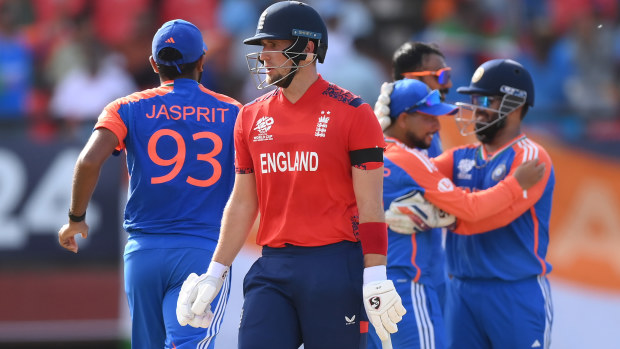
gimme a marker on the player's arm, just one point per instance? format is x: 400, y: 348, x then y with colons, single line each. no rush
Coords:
x: 444, y: 162
x: 239, y: 216
x: 515, y: 210
x: 481, y: 205
x: 99, y: 147
x: 368, y: 187
x: 381, y: 301
x: 197, y: 292
x: 441, y: 191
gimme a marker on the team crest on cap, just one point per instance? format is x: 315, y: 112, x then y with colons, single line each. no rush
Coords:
x: 263, y: 125
x: 477, y: 74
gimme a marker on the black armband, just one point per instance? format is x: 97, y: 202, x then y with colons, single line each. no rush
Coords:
x: 362, y: 156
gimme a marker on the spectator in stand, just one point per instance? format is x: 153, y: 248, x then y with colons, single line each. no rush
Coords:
x: 16, y: 65
x: 79, y: 97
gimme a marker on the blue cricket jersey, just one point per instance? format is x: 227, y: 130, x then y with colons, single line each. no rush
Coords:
x: 419, y: 256
x: 514, y: 243
x: 180, y: 158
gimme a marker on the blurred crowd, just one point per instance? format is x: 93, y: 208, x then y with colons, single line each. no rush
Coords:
x: 62, y: 61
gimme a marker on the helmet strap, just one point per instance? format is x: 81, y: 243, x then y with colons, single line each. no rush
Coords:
x: 294, y: 53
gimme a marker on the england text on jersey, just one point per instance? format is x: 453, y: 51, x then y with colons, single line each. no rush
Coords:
x: 177, y: 112
x: 286, y: 162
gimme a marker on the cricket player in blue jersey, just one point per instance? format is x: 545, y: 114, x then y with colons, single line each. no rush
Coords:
x: 426, y: 63
x: 178, y: 138
x: 499, y: 295
x: 410, y: 179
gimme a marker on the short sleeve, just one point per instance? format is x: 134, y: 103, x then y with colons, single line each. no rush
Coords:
x: 110, y: 119
x: 243, y: 158
x: 365, y: 130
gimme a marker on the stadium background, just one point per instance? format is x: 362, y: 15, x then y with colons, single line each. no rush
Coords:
x: 61, y: 61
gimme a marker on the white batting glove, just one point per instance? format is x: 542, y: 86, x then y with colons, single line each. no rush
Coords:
x: 411, y: 213
x: 196, y: 295
x: 382, y: 106
x: 383, y: 304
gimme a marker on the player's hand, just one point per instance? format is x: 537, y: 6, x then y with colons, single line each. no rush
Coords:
x: 382, y: 106
x: 67, y: 233
x: 196, y: 295
x: 383, y: 307
x: 411, y: 213
x: 529, y: 173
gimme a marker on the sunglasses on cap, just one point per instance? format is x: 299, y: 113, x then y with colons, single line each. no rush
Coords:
x: 431, y: 99
x: 483, y: 101
x: 443, y: 74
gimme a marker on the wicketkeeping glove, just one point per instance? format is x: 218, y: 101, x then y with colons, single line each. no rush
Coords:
x: 383, y: 307
x: 196, y: 295
x: 411, y: 213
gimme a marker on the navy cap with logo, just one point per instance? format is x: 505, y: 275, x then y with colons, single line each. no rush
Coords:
x: 182, y: 36
x: 411, y: 95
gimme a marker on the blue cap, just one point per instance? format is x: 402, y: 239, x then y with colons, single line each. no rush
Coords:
x: 411, y: 95
x: 181, y: 35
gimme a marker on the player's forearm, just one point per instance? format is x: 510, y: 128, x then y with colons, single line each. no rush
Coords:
x: 239, y: 216
x: 478, y: 206
x: 88, y: 166
x: 368, y: 187
x: 85, y: 180
x: 235, y: 230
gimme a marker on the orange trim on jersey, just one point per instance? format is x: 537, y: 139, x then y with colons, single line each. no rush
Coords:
x: 489, y: 156
x: 441, y: 191
x: 525, y: 149
x: 111, y: 119
x: 536, y: 226
x: 414, y: 253
x: 220, y: 97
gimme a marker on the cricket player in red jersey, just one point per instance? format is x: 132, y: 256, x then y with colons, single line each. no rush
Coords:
x: 309, y: 158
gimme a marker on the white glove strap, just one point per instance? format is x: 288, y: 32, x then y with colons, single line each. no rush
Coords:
x: 376, y: 273
x: 216, y: 269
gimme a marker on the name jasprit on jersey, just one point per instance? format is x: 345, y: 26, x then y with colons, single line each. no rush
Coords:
x: 177, y: 112
x: 298, y: 161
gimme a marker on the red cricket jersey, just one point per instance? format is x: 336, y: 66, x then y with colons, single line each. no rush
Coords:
x: 299, y: 154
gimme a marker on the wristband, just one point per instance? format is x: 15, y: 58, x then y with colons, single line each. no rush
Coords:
x: 216, y: 269
x: 75, y: 218
x: 373, y: 236
x: 375, y: 273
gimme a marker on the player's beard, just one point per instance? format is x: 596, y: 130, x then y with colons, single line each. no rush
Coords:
x: 415, y: 142
x: 487, y: 135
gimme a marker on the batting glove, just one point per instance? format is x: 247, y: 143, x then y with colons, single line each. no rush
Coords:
x: 383, y: 304
x: 411, y: 213
x: 196, y: 295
